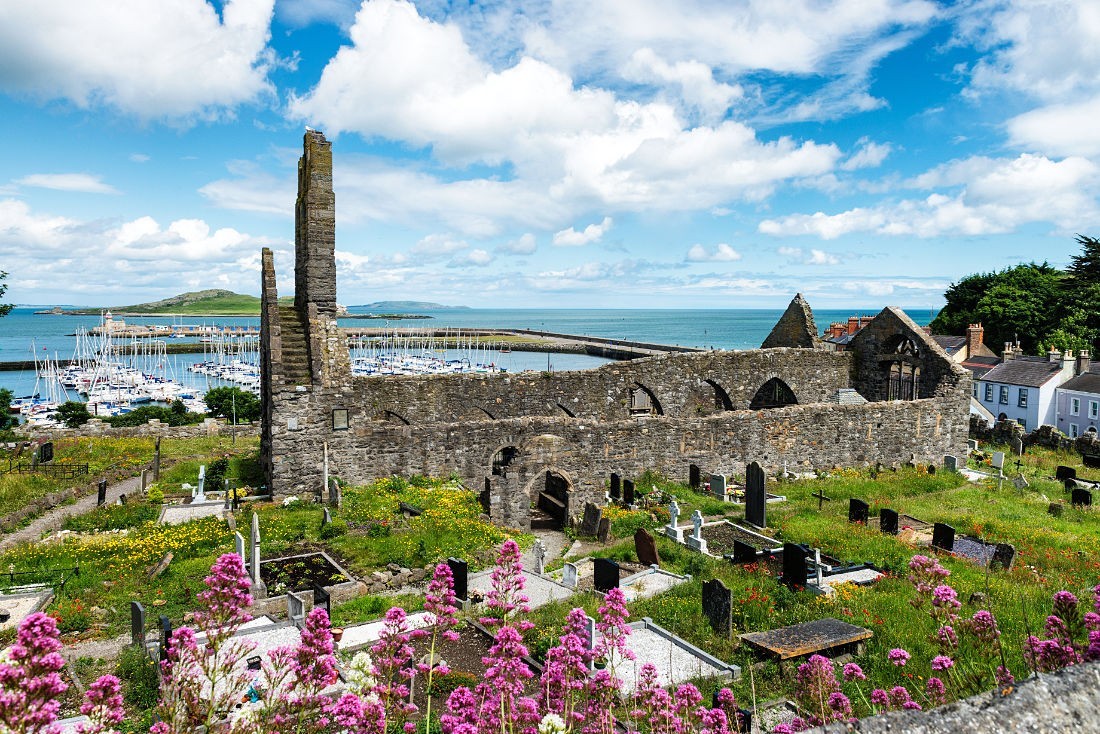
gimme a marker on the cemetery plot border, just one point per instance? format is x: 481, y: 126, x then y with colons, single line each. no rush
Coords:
x: 721, y: 534
x: 317, y: 567
x: 654, y: 644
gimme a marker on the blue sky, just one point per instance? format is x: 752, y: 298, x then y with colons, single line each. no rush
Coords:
x: 552, y: 153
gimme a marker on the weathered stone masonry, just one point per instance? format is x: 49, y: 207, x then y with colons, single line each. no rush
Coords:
x: 508, y: 433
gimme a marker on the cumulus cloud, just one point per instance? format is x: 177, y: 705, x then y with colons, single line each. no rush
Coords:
x: 592, y: 233
x: 82, y: 182
x: 994, y: 196
x: 166, y: 59
x: 476, y: 258
x: 1060, y: 129
x: 524, y: 245
x: 869, y: 155
x: 694, y: 82
x: 435, y: 246
x: 813, y: 257
x: 722, y: 253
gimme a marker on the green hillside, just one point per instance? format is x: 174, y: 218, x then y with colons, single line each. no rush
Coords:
x: 210, y: 302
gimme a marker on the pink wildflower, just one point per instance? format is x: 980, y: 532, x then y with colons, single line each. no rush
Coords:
x: 898, y: 657
x: 853, y: 672
x: 942, y: 662
x: 936, y: 690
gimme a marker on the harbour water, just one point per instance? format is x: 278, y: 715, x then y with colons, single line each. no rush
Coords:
x: 710, y: 329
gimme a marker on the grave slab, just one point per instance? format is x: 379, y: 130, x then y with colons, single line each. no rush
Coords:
x: 364, y: 635
x: 862, y: 577
x: 179, y: 514
x: 822, y: 636
x: 540, y: 590
x: 677, y: 661
x: 21, y: 606
x: 650, y: 582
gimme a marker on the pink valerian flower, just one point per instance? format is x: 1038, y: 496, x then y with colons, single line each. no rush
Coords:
x: 880, y: 698
x: 506, y: 597
x: 29, y: 681
x: 392, y: 655
x: 853, y: 672
x: 603, y: 690
x: 945, y: 602
x: 947, y: 637
x: 941, y: 663
x: 356, y: 715
x: 1091, y: 621
x: 791, y: 727
x: 103, y: 705
x: 1004, y: 676
x: 983, y: 625
x: 226, y: 599
x: 898, y: 657
x: 613, y: 628
x: 441, y: 602
x: 900, y: 699
x: 314, y: 664
x: 925, y: 574
x: 936, y: 690
x: 815, y: 683
x: 566, y: 668
x: 506, y: 675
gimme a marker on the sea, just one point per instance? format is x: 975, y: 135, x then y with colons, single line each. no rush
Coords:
x: 24, y: 334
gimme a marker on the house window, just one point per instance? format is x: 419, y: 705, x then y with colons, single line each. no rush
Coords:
x: 1094, y: 409
x: 988, y: 393
x: 975, y: 391
x: 1004, y: 395
x: 1022, y: 402
x: 1022, y: 422
x: 1074, y: 431
x: 1075, y: 406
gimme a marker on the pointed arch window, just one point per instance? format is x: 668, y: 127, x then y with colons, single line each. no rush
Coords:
x: 773, y: 394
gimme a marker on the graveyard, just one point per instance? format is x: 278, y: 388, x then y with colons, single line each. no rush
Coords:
x: 729, y: 583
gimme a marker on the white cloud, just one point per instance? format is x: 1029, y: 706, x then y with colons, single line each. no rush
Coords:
x: 820, y: 257
x: 164, y: 59
x: 592, y: 233
x: 525, y: 245
x: 694, y: 82
x: 995, y: 196
x: 436, y: 245
x: 139, y: 158
x: 1059, y: 129
x: 813, y: 257
x: 475, y: 257
x: 722, y: 253
x: 869, y: 155
x: 81, y: 182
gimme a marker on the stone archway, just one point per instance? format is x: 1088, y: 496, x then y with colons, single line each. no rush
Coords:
x: 550, y: 491
x: 773, y: 394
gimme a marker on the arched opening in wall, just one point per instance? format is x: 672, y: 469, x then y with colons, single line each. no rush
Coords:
x: 643, y: 401
x: 389, y: 416
x: 902, y: 366
x: 502, y: 459
x: 773, y: 394
x: 567, y: 411
x: 550, y: 502
x: 1002, y: 417
x: 721, y: 397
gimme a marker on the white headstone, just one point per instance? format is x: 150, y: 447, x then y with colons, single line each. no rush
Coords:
x: 540, y: 556
x: 672, y: 530
x: 324, y: 470
x: 697, y: 524
x: 255, y: 539
x: 998, y: 459
x: 239, y: 540
x: 200, y: 494
x: 569, y: 575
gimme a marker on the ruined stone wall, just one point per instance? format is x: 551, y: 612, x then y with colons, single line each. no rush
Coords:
x: 315, y: 228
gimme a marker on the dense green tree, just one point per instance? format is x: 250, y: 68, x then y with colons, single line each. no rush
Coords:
x: 144, y: 414
x: 7, y: 420
x: 73, y: 413
x: 223, y: 401
x: 5, y: 308
x: 1085, y: 268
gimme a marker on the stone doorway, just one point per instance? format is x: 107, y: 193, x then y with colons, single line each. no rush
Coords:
x: 550, y: 501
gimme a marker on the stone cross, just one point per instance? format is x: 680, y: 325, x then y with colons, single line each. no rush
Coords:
x: 672, y: 530
x: 324, y: 467
x: 200, y: 493
x: 540, y: 556
x: 696, y: 540
x: 255, y: 540
x: 238, y: 539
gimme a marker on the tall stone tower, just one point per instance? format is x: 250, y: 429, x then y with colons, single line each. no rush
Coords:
x: 315, y: 229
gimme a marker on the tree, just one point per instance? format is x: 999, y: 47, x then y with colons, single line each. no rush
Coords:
x: 7, y: 420
x: 1085, y: 268
x: 223, y: 401
x: 5, y: 308
x: 73, y: 413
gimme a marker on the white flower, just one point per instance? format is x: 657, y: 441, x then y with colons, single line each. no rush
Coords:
x: 289, y: 501
x: 358, y: 677
x: 551, y: 724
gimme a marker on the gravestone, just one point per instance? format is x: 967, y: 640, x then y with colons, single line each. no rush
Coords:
x: 616, y: 492
x: 1091, y: 461
x: 335, y: 495
x: 1069, y: 485
x: 238, y: 539
x: 628, y: 492
x: 645, y: 548
x: 200, y: 491
x: 45, y: 453
x: 718, y: 486
x: 756, y: 499
x: 161, y: 566
x: 1062, y: 473
x: 137, y: 623
x: 794, y: 565
x: 971, y: 445
x: 156, y: 461
x: 605, y: 574
x: 122, y: 498
x: 998, y: 460
x: 228, y: 497
x: 540, y: 556
x: 696, y: 541
x: 591, y: 521
x: 672, y: 530
x: 604, y: 530
x: 326, y: 518
x: 1081, y: 497
x: 254, y: 551
x: 950, y: 463
x: 858, y: 511
x: 1055, y: 509
x: 589, y: 633
x: 144, y: 480
x: 888, y: 521
x: 460, y: 569
x: 695, y: 478
x: 1017, y: 446
x: 743, y: 552
x: 1003, y: 556
x: 322, y: 599
x: 569, y: 575
x: 718, y: 607
x: 101, y: 497
x: 295, y: 609
x: 1021, y: 482
x: 165, y: 636
x: 943, y: 537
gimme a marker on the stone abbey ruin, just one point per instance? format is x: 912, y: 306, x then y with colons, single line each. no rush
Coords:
x: 893, y: 397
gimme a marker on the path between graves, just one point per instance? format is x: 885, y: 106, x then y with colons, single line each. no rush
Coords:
x: 51, y: 521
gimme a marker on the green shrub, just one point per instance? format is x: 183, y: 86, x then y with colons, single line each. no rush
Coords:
x: 334, y: 529
x: 138, y: 674
x: 154, y: 494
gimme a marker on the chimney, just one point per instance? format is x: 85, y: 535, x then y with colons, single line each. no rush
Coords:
x: 927, y: 330
x: 974, y: 337
x: 1083, y: 362
x: 1009, y: 353
x: 1054, y: 355
x: 853, y: 325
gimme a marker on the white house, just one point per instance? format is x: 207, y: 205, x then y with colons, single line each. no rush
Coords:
x: 1078, y: 400
x: 1024, y: 389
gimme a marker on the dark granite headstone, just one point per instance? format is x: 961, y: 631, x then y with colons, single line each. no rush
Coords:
x: 616, y: 492
x: 645, y: 548
x: 1003, y: 556
x: 888, y: 521
x: 794, y: 565
x: 756, y: 499
x: 743, y: 552
x: 605, y: 574
x: 1092, y: 461
x: 628, y: 492
x: 591, y: 521
x: 695, y: 477
x: 1063, y: 473
x: 1081, y: 497
x: 165, y: 636
x: 45, y: 453
x: 950, y: 463
x: 322, y: 599
x: 858, y: 510
x: 137, y: 623
x: 101, y: 497
x: 461, y: 571
x: 943, y: 537
x: 1070, y: 485
x: 604, y: 530
x: 1017, y: 446
x: 718, y: 607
